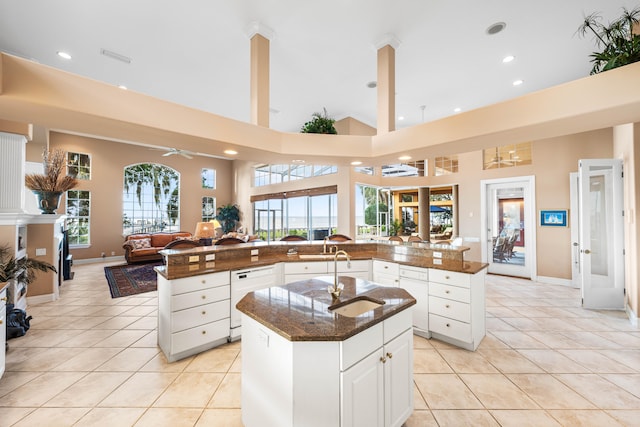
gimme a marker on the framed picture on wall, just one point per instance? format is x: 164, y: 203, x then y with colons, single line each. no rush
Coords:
x: 554, y: 218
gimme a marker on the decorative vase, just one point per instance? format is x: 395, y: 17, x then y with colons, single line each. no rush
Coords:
x: 48, y: 201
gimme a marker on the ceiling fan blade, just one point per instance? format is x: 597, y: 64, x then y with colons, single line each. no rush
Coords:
x: 169, y: 153
x: 183, y: 154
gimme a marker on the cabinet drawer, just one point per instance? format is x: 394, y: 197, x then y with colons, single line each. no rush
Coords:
x: 449, y: 327
x: 415, y: 273
x: 450, y: 277
x: 194, y: 337
x: 450, y: 292
x: 357, y: 265
x: 305, y: 267
x: 385, y: 279
x: 194, y: 283
x: 386, y: 267
x: 200, y: 315
x: 200, y: 297
x: 397, y: 324
x: 360, y: 346
x: 455, y: 310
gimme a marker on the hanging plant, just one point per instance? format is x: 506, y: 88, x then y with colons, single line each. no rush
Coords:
x: 320, y: 123
x: 620, y: 46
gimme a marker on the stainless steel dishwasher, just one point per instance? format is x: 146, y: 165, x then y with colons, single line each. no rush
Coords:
x: 243, y: 282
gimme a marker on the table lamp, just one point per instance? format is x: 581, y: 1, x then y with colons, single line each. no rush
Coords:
x: 205, y: 232
x: 216, y: 226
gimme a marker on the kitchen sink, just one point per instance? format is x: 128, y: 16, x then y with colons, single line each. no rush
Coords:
x: 356, y: 306
x: 315, y: 256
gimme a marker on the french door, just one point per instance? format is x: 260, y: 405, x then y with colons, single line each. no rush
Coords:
x: 508, y: 232
x: 601, y: 228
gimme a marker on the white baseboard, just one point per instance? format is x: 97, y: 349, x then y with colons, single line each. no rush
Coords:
x: 101, y: 259
x: 39, y: 299
x: 554, y: 281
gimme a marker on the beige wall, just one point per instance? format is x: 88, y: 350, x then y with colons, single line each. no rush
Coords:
x: 108, y: 160
x: 351, y: 126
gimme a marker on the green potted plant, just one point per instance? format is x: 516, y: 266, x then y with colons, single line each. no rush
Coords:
x: 49, y: 186
x: 320, y: 123
x: 620, y: 46
x: 228, y: 216
x: 23, y: 269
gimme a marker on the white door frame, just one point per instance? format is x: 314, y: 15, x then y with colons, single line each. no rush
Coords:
x: 530, y: 218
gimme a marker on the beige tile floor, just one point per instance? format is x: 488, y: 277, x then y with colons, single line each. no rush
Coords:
x: 90, y: 360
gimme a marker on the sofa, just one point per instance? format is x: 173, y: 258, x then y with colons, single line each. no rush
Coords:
x: 146, y: 247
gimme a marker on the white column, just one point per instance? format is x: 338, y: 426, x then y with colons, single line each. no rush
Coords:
x: 12, y: 158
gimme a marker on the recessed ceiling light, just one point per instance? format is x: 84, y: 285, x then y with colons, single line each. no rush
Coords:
x: 517, y: 82
x: 400, y: 117
x: 457, y: 110
x: 496, y: 28
x: 508, y: 59
x: 123, y: 87
x: 230, y: 152
x: 298, y: 161
x: 404, y: 158
x: 372, y: 84
x: 64, y: 55
x: 356, y: 163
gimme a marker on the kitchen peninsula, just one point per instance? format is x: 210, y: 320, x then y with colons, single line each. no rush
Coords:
x: 198, y: 288
x: 305, y: 364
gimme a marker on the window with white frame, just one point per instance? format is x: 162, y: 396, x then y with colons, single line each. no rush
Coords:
x: 78, y: 217
x: 275, y: 174
x: 151, y: 199
x: 446, y: 165
x: 208, y: 208
x: 79, y: 164
x: 208, y: 178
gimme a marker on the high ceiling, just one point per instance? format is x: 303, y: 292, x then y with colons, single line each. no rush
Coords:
x: 323, y: 54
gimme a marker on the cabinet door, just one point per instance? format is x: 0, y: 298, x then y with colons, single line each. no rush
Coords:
x: 363, y: 393
x: 420, y: 291
x: 398, y: 379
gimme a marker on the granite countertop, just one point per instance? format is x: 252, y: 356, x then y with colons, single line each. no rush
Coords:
x: 299, y: 311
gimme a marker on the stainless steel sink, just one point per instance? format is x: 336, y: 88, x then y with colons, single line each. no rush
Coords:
x: 356, y: 306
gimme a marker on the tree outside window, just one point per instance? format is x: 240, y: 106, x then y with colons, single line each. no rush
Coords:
x: 78, y: 215
x: 151, y: 199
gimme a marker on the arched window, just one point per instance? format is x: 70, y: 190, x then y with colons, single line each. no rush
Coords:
x: 150, y: 199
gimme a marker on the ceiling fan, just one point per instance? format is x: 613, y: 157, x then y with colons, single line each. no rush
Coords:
x: 183, y: 153
x: 497, y: 161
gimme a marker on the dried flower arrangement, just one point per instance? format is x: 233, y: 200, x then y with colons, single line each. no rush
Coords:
x: 54, y: 178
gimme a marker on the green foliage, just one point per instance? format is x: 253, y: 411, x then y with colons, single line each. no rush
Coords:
x: 320, y: 123
x: 23, y: 269
x: 228, y: 216
x: 395, y: 227
x: 618, y: 43
x: 371, y: 213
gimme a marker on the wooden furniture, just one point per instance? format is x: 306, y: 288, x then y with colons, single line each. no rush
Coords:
x: 293, y: 238
x: 146, y: 247
x: 396, y: 239
x: 415, y: 239
x: 229, y: 241
x: 338, y: 238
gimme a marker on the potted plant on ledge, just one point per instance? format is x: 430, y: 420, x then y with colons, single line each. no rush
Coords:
x: 620, y: 46
x: 320, y: 123
x: 49, y: 186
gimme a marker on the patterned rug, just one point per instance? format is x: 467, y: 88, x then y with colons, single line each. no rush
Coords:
x: 131, y: 279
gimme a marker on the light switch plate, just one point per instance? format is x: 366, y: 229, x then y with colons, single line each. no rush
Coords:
x: 41, y: 251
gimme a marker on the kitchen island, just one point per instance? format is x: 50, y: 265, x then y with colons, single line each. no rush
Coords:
x: 303, y: 364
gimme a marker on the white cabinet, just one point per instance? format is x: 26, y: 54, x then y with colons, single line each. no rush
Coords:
x: 193, y: 314
x: 3, y: 329
x: 294, y: 271
x: 385, y: 273
x: 365, y: 380
x: 378, y: 390
x: 415, y: 280
x: 457, y: 307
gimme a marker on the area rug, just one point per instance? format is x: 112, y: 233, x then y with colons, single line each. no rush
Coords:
x: 131, y: 279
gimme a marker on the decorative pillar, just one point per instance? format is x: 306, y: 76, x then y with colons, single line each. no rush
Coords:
x: 387, y: 84
x: 260, y: 36
x: 12, y: 171
x: 424, y: 213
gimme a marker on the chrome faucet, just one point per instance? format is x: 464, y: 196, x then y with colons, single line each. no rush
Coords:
x: 337, y: 287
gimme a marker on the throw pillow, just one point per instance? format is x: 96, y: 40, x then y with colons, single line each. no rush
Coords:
x: 141, y: 243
